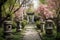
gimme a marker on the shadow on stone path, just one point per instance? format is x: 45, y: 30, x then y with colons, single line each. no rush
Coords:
x: 30, y: 33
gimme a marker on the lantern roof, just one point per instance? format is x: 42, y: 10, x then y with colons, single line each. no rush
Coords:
x: 49, y: 27
x: 29, y: 13
x: 49, y: 21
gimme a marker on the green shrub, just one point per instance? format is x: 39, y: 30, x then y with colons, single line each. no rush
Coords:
x: 1, y: 38
x: 13, y: 24
x: 23, y: 23
x: 58, y: 35
x: 1, y: 34
x: 38, y: 24
x: 48, y: 38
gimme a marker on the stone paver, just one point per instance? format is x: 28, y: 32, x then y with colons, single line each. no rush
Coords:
x: 30, y: 33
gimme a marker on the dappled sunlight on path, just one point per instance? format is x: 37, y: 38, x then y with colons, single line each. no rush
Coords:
x: 30, y: 33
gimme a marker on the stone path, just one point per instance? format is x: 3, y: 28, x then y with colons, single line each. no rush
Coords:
x: 30, y: 33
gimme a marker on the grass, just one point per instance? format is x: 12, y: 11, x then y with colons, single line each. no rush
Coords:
x: 1, y: 34
x: 17, y: 36
x: 46, y: 37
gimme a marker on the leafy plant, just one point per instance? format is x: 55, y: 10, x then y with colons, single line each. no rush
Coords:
x: 23, y: 23
x: 38, y: 24
x: 42, y: 1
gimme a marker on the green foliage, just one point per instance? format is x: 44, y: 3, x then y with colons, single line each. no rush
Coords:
x: 6, y: 8
x: 1, y: 34
x: 58, y: 35
x: 24, y: 22
x: 14, y: 24
x: 42, y: 1
x: 30, y: 10
x: 45, y: 37
x: 37, y: 22
x: 17, y: 36
x: 1, y: 38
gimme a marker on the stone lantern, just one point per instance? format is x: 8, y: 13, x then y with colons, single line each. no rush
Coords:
x: 7, y: 29
x: 30, y: 17
x: 18, y: 29
x: 49, y: 27
x: 18, y: 22
x: 42, y: 26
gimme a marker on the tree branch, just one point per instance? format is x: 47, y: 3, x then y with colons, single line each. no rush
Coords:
x: 19, y: 7
x: 12, y: 6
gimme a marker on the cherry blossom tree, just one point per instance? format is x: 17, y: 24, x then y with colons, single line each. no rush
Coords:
x: 44, y: 11
x: 55, y: 4
x: 51, y: 10
x: 19, y: 14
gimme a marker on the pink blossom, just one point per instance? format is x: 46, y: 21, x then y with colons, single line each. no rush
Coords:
x: 19, y: 13
x: 44, y: 10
